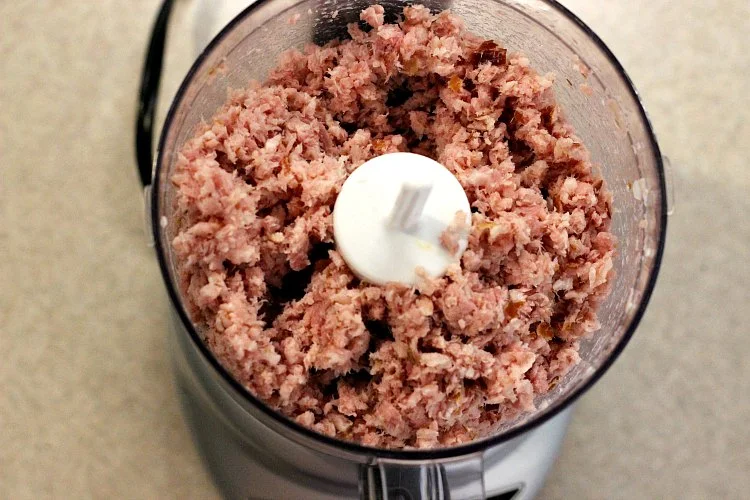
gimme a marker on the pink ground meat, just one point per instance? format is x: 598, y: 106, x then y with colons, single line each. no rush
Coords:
x: 393, y: 366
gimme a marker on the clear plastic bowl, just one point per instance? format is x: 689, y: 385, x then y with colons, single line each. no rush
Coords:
x: 611, y: 121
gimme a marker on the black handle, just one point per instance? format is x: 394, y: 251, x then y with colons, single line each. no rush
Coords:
x: 149, y: 93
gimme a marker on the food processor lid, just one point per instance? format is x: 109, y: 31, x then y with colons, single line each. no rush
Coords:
x: 151, y: 74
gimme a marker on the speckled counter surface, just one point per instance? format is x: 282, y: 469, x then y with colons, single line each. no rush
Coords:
x: 87, y: 408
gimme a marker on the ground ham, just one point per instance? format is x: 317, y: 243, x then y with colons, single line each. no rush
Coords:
x: 450, y: 238
x: 438, y: 364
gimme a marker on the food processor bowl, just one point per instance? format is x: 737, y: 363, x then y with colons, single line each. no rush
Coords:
x: 599, y: 101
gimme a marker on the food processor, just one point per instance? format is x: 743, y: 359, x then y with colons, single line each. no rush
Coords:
x: 254, y: 452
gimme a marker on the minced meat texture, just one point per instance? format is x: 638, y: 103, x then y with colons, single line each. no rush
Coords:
x: 393, y: 366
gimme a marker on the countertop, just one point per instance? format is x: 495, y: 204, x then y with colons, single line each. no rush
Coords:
x: 87, y: 406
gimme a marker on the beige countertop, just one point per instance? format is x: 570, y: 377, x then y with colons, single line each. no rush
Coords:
x: 87, y: 407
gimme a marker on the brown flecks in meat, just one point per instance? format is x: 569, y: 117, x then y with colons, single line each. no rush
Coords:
x: 438, y: 364
x: 455, y: 83
x: 488, y: 52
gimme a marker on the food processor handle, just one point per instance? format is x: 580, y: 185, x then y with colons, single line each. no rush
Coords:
x: 398, y: 480
x: 149, y: 92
